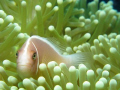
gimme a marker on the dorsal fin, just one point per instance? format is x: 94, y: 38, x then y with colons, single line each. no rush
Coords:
x: 60, y: 47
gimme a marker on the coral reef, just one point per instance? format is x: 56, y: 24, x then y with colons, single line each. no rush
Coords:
x: 82, y: 27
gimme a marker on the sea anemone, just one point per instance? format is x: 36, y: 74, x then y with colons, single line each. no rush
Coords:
x: 83, y: 27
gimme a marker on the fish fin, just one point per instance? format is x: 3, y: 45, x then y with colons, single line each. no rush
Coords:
x: 60, y: 46
x: 54, y: 43
x: 81, y: 58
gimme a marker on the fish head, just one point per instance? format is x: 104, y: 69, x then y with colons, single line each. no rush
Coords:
x: 27, y: 60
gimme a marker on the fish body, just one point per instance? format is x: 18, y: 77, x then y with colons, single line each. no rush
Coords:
x: 37, y: 50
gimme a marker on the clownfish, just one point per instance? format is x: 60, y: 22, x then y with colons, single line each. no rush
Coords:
x: 37, y: 50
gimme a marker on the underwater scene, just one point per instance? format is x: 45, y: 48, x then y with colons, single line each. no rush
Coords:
x: 59, y: 44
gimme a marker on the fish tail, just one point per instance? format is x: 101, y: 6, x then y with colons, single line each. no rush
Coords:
x: 80, y: 58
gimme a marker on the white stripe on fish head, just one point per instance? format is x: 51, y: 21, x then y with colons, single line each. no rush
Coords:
x: 23, y: 53
x: 37, y: 58
x: 26, y: 62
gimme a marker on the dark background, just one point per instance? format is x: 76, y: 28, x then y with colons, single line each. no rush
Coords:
x: 116, y: 3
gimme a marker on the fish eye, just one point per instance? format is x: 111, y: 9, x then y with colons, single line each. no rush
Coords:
x: 16, y: 54
x: 34, y: 56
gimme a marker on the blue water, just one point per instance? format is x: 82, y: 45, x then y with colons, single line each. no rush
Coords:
x: 116, y: 3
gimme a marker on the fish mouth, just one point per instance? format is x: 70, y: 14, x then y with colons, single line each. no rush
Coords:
x: 24, y: 71
x: 21, y: 63
x: 23, y: 67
